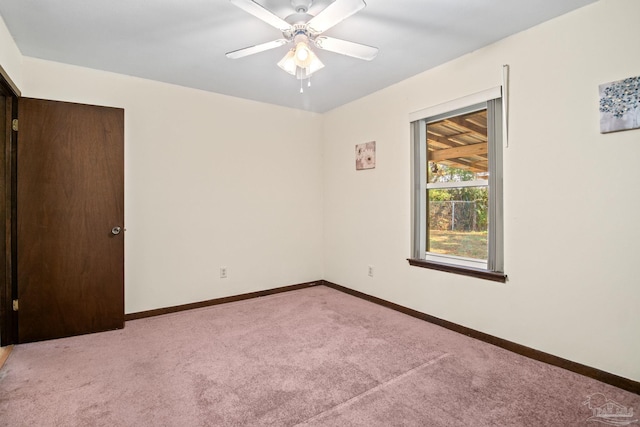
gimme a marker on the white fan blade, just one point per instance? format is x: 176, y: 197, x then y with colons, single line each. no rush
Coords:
x: 261, y: 13
x: 240, y: 53
x: 336, y: 12
x: 344, y: 47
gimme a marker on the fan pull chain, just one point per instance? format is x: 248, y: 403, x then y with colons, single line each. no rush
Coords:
x: 302, y: 84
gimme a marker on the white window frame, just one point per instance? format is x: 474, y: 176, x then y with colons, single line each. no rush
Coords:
x: 492, y: 101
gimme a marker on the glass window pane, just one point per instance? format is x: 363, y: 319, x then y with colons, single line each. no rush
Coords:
x: 457, y: 148
x: 459, y: 221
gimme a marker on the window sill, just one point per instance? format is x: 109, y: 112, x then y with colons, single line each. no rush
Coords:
x: 466, y: 271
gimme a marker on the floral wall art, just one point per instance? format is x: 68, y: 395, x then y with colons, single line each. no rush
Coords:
x: 620, y: 105
x: 366, y: 155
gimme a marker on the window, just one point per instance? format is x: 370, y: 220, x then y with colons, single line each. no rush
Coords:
x: 457, y: 176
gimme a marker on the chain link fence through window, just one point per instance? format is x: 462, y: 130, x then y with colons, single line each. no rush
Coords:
x: 456, y: 215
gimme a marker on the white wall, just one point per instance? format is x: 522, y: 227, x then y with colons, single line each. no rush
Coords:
x: 210, y: 181
x: 571, y: 194
x: 10, y: 56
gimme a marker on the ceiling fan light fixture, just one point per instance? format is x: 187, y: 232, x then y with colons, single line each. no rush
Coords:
x: 301, y: 69
x: 315, y: 64
x: 288, y: 62
x: 303, y: 54
x: 305, y: 73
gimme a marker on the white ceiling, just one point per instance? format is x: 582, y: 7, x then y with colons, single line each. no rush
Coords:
x: 184, y: 41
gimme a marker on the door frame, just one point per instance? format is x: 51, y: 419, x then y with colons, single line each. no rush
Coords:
x: 8, y: 173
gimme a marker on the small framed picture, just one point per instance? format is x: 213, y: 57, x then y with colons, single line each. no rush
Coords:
x: 620, y: 105
x: 366, y: 155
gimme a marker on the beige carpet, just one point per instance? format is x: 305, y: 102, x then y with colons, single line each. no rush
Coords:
x: 312, y: 357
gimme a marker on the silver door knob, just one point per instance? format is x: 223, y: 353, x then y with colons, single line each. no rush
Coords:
x: 116, y: 230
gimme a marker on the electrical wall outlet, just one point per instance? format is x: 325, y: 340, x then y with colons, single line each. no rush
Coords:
x: 223, y: 272
x: 370, y: 271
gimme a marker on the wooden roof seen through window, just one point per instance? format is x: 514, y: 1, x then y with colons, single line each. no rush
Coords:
x: 459, y: 141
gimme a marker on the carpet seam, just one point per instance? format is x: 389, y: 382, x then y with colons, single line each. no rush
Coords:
x: 372, y: 390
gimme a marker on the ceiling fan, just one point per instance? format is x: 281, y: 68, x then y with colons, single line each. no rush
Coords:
x: 304, y: 30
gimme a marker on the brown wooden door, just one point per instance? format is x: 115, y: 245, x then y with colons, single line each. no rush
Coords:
x: 70, y: 196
